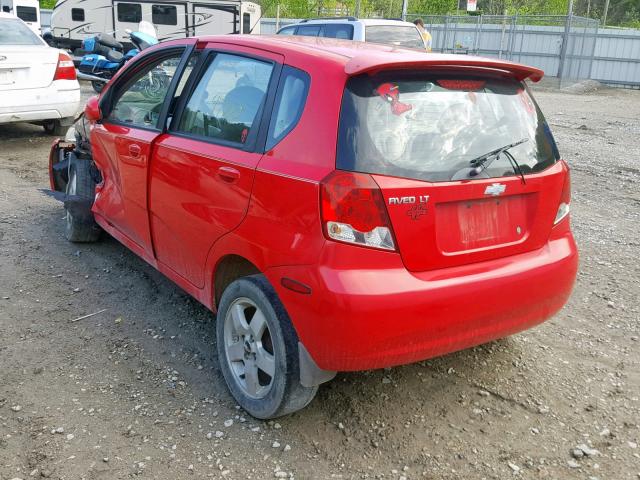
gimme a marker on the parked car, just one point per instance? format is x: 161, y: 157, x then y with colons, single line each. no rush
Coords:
x: 376, y: 30
x: 403, y: 207
x: 37, y: 83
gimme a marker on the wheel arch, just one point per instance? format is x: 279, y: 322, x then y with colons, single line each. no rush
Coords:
x: 230, y: 267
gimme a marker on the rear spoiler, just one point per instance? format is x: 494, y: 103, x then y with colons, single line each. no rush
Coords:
x: 374, y: 61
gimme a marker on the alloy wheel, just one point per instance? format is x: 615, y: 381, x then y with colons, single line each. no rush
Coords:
x: 249, y: 348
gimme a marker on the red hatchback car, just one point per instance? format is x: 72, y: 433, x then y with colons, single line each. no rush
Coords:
x: 341, y: 206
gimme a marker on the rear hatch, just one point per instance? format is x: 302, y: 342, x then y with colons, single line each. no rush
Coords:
x: 424, y: 137
x: 25, y: 61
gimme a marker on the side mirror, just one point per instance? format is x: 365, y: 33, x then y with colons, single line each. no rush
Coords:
x: 92, y: 110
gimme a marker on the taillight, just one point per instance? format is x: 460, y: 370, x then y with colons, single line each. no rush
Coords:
x: 353, y: 211
x: 65, y: 70
x: 565, y: 199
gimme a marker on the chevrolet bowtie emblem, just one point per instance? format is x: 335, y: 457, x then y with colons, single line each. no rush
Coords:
x: 495, y: 189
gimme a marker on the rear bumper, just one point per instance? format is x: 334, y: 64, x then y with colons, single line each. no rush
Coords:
x: 380, y: 315
x: 59, y: 100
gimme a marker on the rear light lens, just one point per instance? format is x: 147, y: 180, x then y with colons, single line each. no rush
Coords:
x: 65, y: 70
x: 565, y: 199
x: 353, y: 211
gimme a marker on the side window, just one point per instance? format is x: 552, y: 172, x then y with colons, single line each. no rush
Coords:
x: 290, y: 100
x: 287, y: 31
x: 309, y: 30
x: 164, y: 15
x: 129, y: 12
x: 77, y: 14
x: 139, y: 102
x: 226, y: 102
x: 338, y: 31
x: 246, y: 23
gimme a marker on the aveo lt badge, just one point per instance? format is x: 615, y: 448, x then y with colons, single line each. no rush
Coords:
x: 408, y: 200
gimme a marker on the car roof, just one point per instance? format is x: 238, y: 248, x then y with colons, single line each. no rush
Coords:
x: 361, y: 57
x: 386, y: 21
x: 364, y: 21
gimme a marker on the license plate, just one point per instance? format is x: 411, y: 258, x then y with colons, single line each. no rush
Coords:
x: 483, y: 223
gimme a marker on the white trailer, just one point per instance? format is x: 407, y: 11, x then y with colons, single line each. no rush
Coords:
x: 74, y: 20
x: 26, y: 10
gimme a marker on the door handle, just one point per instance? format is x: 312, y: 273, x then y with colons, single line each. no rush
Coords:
x: 228, y: 174
x: 134, y: 150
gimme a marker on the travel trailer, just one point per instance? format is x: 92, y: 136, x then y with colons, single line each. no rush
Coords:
x: 74, y: 20
x: 26, y: 10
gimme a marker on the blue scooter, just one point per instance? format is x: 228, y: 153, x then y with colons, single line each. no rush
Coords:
x: 105, y: 55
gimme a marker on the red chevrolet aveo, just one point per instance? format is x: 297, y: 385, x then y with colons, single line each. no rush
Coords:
x: 342, y: 206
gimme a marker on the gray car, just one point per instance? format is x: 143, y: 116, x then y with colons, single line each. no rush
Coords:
x: 388, y: 32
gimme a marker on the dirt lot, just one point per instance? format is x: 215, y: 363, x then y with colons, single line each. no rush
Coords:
x: 136, y: 391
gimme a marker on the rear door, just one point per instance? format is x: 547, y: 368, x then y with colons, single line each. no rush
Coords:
x: 122, y: 142
x: 203, y: 169
x: 420, y: 134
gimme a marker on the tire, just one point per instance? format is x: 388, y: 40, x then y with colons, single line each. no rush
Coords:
x: 55, y: 128
x: 98, y: 86
x: 253, y: 299
x: 80, y: 226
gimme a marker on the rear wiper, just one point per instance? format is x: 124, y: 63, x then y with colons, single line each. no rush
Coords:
x: 478, y: 164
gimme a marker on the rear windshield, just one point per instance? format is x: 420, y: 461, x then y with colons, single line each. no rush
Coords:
x: 14, y: 32
x: 430, y: 127
x: 406, y: 36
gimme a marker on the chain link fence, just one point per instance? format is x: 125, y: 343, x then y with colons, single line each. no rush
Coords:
x: 562, y: 46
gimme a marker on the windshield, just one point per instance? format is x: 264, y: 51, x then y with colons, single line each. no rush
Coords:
x: 406, y: 36
x: 14, y: 32
x: 430, y: 127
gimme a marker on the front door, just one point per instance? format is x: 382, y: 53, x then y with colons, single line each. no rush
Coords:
x: 202, y: 170
x: 122, y: 144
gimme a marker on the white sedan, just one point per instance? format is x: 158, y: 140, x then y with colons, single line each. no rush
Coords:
x: 38, y: 83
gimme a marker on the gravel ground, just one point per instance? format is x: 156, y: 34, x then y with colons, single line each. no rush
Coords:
x: 136, y: 391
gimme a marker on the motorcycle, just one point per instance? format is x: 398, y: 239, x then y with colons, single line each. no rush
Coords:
x: 104, y: 56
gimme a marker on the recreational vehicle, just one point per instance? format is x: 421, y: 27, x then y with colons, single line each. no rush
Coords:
x: 74, y: 20
x: 26, y: 10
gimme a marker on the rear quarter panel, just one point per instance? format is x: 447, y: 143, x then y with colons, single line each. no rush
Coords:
x: 282, y: 225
